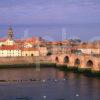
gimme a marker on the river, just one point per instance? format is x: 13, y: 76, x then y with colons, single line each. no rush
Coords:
x: 47, y: 84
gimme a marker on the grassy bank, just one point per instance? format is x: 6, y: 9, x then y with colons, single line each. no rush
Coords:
x: 87, y: 72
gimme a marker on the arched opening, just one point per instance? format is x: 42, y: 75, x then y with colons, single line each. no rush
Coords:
x: 89, y: 63
x: 99, y: 66
x: 77, y: 62
x: 26, y: 54
x: 66, y: 59
x: 56, y: 59
x: 32, y: 55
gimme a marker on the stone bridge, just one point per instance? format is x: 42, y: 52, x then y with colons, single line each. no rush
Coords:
x: 81, y: 61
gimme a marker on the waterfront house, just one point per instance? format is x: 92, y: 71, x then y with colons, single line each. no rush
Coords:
x: 10, y: 51
x: 30, y: 52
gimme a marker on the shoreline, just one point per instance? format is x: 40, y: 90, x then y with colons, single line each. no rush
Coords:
x: 29, y: 65
x: 87, y: 72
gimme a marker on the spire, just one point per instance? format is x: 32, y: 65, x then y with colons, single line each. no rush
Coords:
x: 10, y: 33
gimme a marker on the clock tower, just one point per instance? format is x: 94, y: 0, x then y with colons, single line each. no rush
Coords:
x: 10, y: 33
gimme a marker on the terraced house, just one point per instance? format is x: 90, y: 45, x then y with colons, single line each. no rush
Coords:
x: 10, y: 51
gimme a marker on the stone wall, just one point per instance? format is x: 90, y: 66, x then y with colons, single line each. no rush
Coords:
x: 83, y: 59
x: 52, y: 59
x: 23, y: 60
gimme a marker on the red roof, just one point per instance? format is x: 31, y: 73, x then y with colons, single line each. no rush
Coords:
x: 2, y: 39
x: 9, y: 47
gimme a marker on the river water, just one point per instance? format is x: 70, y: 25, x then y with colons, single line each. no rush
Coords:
x: 47, y: 84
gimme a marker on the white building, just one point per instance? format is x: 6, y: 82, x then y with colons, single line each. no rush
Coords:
x: 10, y: 51
x: 90, y: 50
x: 30, y: 52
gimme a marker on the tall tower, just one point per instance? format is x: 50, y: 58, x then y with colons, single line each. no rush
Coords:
x: 10, y: 33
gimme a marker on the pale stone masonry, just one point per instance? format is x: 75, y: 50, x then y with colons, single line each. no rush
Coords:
x: 78, y: 61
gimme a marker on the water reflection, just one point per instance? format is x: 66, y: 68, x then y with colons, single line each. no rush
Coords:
x: 49, y: 84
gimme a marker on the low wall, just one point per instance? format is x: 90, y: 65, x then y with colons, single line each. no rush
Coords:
x: 23, y: 60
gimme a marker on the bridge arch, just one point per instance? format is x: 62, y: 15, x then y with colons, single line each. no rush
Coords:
x: 89, y: 63
x: 57, y: 59
x: 66, y: 59
x: 99, y: 66
x: 77, y: 62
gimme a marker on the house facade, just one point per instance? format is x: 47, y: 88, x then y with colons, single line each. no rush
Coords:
x: 29, y: 52
x: 10, y: 51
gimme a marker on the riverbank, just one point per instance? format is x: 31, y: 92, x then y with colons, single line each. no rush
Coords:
x: 86, y: 71
x: 31, y: 65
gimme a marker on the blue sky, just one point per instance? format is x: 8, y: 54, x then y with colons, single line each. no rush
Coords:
x: 79, y: 17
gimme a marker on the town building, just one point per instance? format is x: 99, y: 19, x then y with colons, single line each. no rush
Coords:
x: 21, y: 47
x: 43, y: 51
x: 36, y: 46
x: 29, y: 52
x: 9, y: 40
x: 89, y: 48
x: 10, y: 51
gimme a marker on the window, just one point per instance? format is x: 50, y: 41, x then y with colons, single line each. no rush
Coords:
x: 32, y: 54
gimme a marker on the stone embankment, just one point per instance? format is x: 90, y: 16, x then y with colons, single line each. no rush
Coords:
x: 23, y: 60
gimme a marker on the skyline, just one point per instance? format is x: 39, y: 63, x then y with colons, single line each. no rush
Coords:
x: 80, y: 18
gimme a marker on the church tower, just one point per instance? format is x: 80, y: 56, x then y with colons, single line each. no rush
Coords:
x: 10, y: 33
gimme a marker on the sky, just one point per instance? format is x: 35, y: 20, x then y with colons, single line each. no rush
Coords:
x: 50, y: 18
